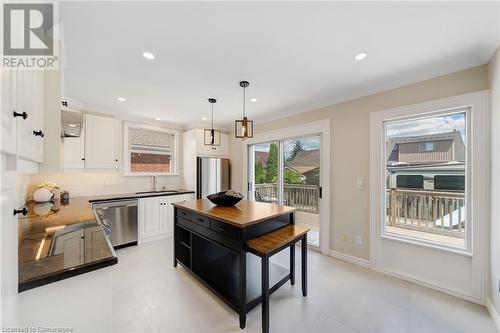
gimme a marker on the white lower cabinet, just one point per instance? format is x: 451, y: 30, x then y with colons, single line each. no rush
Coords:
x: 156, y: 216
x: 149, y: 219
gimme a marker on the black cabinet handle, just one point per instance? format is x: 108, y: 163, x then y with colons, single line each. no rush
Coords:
x: 83, y: 159
x: 24, y: 115
x: 38, y: 133
x: 23, y: 211
x: 116, y: 160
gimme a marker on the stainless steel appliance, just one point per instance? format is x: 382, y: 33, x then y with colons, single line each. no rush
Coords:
x: 212, y: 176
x: 119, y: 219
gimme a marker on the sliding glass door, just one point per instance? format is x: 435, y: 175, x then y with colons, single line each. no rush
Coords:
x: 288, y: 172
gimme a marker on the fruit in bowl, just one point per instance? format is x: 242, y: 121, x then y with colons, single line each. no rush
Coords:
x: 225, y: 198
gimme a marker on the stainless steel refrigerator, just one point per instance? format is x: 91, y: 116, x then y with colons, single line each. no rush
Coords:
x: 212, y: 176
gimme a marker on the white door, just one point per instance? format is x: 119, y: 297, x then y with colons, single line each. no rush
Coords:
x: 429, y: 193
x: 8, y: 121
x: 149, y: 218
x: 101, y: 142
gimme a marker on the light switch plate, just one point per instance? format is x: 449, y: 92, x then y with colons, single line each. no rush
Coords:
x: 360, y: 184
x: 358, y: 240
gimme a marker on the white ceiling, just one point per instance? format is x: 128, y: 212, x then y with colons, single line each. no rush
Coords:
x: 297, y: 55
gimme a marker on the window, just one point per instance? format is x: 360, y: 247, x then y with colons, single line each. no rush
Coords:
x: 426, y: 196
x: 426, y: 146
x: 149, y: 150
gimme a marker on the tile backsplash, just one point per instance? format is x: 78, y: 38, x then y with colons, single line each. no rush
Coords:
x: 94, y: 183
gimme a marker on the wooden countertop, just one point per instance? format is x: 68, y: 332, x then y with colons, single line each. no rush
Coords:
x: 243, y: 214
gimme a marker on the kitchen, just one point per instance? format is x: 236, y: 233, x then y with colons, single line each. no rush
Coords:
x: 220, y: 166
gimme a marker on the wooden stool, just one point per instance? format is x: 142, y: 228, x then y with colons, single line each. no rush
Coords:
x: 268, y: 245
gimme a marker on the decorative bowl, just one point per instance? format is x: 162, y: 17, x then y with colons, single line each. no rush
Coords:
x: 225, y: 199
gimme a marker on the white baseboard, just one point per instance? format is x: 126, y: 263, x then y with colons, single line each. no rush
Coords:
x: 493, y: 313
x: 355, y: 260
x: 367, y: 264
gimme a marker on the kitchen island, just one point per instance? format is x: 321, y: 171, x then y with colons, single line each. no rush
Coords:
x: 209, y: 241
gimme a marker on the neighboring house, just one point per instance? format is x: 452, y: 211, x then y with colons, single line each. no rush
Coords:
x: 261, y: 156
x: 426, y: 149
x: 306, y: 162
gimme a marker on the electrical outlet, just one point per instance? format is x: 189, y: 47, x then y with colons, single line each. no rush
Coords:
x: 360, y: 184
x: 345, y: 238
x: 358, y: 240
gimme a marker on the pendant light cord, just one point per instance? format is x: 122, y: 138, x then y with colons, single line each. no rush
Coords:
x: 244, y: 101
x: 212, y: 116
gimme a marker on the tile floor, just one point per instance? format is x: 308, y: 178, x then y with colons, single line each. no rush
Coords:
x: 149, y: 295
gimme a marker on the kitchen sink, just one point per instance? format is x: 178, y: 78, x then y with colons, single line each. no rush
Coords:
x: 158, y: 191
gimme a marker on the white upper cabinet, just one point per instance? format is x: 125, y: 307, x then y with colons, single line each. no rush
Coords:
x: 101, y: 142
x: 8, y: 121
x: 22, y: 114
x: 38, y: 115
x: 203, y: 150
x: 194, y: 145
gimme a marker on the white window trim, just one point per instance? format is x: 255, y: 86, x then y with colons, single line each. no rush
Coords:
x: 126, y: 150
x: 478, y: 165
x: 321, y: 127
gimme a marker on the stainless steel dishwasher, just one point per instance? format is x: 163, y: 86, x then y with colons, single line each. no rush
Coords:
x: 119, y: 219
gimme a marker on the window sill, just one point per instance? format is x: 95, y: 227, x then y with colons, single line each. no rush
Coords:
x: 146, y: 174
x: 428, y: 244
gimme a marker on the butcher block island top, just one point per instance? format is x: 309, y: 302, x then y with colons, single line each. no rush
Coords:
x: 243, y: 214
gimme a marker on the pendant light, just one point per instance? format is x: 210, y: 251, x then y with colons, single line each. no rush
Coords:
x: 212, y: 136
x: 243, y: 128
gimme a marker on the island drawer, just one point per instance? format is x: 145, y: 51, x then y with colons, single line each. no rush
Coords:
x: 224, y: 229
x: 184, y: 214
x: 201, y: 220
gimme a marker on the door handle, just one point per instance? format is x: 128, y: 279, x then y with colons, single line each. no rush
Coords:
x: 24, y: 115
x: 23, y: 211
x: 38, y: 133
x: 321, y: 192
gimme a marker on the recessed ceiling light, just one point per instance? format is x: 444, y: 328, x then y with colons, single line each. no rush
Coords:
x: 121, y: 99
x: 253, y: 100
x: 360, y: 56
x: 204, y: 118
x: 157, y: 119
x: 148, y: 55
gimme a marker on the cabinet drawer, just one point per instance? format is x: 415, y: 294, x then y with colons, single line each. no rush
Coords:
x: 184, y: 214
x: 224, y: 229
x: 201, y: 220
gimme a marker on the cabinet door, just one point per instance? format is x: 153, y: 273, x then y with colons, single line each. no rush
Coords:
x: 167, y: 214
x: 73, y: 153
x: 25, y: 137
x: 149, y: 218
x: 187, y: 197
x: 216, y: 151
x: 38, y: 110
x: 101, y: 150
x: 8, y: 122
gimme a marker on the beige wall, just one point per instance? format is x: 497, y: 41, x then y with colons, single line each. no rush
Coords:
x: 350, y: 133
x: 494, y: 76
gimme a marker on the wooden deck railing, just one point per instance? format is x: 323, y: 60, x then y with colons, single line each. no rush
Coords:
x: 430, y: 211
x: 304, y: 197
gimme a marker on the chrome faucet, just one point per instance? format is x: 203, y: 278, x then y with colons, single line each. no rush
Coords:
x: 154, y: 182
